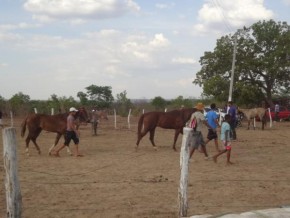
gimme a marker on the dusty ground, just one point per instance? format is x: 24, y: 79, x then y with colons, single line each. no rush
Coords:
x: 113, y: 180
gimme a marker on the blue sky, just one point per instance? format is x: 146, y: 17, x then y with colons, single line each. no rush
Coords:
x: 148, y: 48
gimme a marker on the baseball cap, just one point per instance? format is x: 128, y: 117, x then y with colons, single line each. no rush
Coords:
x: 72, y: 109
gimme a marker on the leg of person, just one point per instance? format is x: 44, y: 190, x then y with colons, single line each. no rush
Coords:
x: 216, y: 145
x: 202, y: 144
x: 191, y: 152
x: 229, y: 148
x: 76, y: 141
x: 234, y: 134
x: 200, y: 148
x: 218, y: 154
x: 68, y: 137
x: 56, y: 153
x: 77, y: 153
x: 203, y: 148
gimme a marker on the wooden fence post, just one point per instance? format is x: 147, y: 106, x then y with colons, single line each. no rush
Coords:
x: 184, y: 159
x: 12, y: 186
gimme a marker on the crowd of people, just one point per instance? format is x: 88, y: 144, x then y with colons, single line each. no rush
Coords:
x: 210, y: 120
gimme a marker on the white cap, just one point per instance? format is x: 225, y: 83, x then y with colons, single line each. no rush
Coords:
x: 72, y: 109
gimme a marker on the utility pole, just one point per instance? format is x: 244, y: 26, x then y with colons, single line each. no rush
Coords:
x: 233, y: 69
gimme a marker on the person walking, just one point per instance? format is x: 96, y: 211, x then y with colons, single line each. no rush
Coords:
x: 226, y: 140
x: 71, y: 133
x: 212, y: 120
x: 197, y: 118
x: 232, y: 111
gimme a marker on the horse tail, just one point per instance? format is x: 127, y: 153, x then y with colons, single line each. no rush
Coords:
x: 23, y: 126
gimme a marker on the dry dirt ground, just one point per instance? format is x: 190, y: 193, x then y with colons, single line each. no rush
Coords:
x: 113, y: 180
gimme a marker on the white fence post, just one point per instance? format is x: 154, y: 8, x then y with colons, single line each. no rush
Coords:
x: 115, y: 116
x: 184, y: 159
x: 220, y: 117
x: 52, y: 111
x: 11, y: 117
x: 12, y: 186
x: 35, y: 110
x: 129, y: 126
x: 270, y: 116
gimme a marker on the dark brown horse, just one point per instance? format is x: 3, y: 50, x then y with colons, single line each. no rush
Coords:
x: 175, y: 119
x: 35, y: 123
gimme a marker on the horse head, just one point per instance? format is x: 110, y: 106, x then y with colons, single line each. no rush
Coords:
x: 82, y: 115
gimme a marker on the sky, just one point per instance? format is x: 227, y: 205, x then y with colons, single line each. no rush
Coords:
x: 147, y: 48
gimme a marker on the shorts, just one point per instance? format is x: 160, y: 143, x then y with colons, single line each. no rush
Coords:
x: 197, y: 139
x: 228, y: 146
x: 71, y: 135
x: 211, y: 134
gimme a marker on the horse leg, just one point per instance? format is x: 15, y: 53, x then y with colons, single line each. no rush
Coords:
x: 140, y: 136
x: 36, y: 145
x: 152, y: 133
x: 177, y: 131
x: 32, y: 135
x: 27, y: 140
x: 55, y: 143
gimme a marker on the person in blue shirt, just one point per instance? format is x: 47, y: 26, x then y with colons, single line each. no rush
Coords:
x: 212, y: 119
x: 226, y: 140
x: 232, y: 111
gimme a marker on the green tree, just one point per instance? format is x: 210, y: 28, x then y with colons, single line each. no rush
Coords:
x: 83, y: 98
x: 123, y: 103
x: 19, y: 102
x: 262, y: 68
x: 180, y: 101
x: 53, y: 102
x: 159, y: 103
x: 100, y: 96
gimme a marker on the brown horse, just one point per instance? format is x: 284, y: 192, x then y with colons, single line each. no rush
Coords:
x: 95, y: 117
x: 52, y: 123
x: 175, y: 119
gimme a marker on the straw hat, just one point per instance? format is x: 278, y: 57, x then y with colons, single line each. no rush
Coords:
x: 199, y: 106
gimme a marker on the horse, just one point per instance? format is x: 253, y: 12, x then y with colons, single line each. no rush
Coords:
x: 175, y: 119
x: 35, y: 123
x: 95, y: 117
x: 250, y: 114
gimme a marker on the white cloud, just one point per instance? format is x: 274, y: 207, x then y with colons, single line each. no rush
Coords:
x: 3, y: 65
x: 164, y: 6
x: 182, y: 60
x: 228, y: 15
x: 159, y: 41
x: 287, y: 2
x: 47, y: 10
